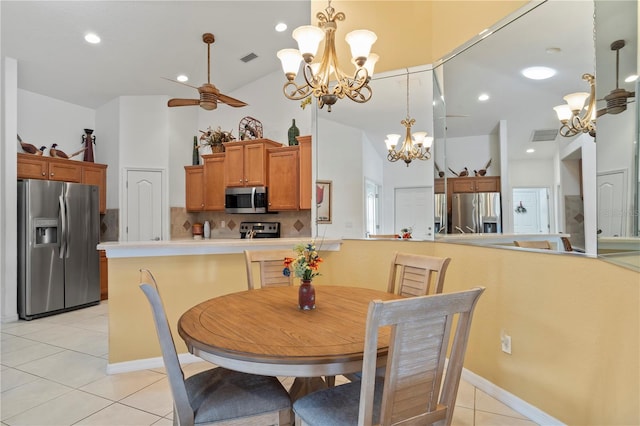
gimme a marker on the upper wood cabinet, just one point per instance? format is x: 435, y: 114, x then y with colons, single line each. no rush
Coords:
x: 306, y: 185
x: 204, y: 185
x: 475, y: 184
x: 194, y: 188
x: 31, y: 166
x: 289, y: 177
x: 245, y: 162
x: 214, y: 182
x: 284, y: 178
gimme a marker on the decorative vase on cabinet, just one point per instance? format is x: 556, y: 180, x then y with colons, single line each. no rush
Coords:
x: 306, y: 295
x: 293, y: 133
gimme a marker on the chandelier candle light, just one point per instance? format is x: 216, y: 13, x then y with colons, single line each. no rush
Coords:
x: 410, y: 150
x: 317, y: 75
x: 569, y: 114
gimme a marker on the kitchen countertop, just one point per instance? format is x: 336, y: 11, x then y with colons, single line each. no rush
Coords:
x: 186, y: 247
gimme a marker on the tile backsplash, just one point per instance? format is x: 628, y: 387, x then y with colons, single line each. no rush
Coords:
x: 292, y: 224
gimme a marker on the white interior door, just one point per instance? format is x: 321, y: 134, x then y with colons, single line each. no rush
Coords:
x: 535, y: 219
x: 611, y: 203
x: 414, y: 209
x: 144, y: 219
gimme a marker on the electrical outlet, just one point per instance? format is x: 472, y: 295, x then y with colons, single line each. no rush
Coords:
x: 506, y: 343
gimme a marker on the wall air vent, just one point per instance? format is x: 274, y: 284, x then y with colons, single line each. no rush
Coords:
x: 249, y: 57
x: 544, y: 135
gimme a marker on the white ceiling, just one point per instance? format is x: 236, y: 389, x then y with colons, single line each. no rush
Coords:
x: 143, y: 41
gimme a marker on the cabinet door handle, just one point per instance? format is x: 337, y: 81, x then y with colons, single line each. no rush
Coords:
x: 44, y: 173
x: 51, y: 174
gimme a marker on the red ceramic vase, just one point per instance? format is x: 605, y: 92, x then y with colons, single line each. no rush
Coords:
x: 306, y: 295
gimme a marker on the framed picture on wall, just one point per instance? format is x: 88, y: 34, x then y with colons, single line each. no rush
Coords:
x: 323, y: 201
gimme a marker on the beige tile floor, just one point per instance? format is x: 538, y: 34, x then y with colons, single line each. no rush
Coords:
x: 53, y: 373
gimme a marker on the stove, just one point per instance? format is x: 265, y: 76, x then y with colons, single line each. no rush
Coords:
x: 259, y: 229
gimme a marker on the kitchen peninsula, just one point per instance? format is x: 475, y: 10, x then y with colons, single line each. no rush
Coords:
x: 188, y: 272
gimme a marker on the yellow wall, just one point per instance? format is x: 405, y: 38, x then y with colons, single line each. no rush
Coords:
x: 574, y: 321
x: 412, y: 33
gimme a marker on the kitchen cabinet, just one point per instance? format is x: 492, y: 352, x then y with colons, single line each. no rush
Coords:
x: 245, y: 162
x: 289, y: 176
x: 96, y: 174
x: 31, y: 166
x: 474, y: 184
x: 284, y: 178
x: 306, y: 184
x: 104, y: 276
x: 204, y: 185
x: 194, y: 188
x: 214, y: 182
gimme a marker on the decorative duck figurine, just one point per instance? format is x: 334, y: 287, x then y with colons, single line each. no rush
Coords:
x: 483, y: 171
x: 463, y: 173
x: 54, y: 152
x: 440, y: 172
x: 31, y: 149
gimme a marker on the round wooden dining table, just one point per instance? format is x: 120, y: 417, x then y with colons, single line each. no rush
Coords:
x: 263, y: 331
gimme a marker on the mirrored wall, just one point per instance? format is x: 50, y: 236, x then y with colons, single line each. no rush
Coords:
x: 512, y: 135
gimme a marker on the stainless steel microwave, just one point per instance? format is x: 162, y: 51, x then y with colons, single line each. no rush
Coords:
x: 246, y: 200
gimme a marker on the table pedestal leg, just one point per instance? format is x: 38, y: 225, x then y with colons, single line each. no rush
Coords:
x: 305, y: 385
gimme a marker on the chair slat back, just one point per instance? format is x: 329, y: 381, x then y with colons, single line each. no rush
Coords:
x: 271, y: 264
x: 421, y: 328
x: 417, y: 275
x: 183, y: 408
x: 546, y: 245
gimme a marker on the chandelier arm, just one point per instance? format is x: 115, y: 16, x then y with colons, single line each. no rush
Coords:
x: 296, y: 92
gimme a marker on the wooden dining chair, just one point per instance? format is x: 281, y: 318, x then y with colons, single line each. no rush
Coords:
x: 218, y: 395
x: 533, y: 244
x: 271, y: 264
x: 413, y: 389
x: 417, y: 274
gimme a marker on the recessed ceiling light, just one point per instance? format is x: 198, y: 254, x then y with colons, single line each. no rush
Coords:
x: 92, y: 38
x: 538, y: 73
x: 483, y: 97
x: 281, y: 26
x: 182, y: 78
x: 631, y: 78
x: 530, y: 150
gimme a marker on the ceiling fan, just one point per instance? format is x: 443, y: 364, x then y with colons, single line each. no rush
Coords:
x: 209, y: 94
x: 617, y: 99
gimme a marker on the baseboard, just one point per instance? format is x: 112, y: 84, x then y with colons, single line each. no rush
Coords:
x: 147, y: 364
x: 510, y: 400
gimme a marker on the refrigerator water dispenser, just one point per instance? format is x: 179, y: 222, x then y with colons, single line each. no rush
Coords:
x: 46, y: 231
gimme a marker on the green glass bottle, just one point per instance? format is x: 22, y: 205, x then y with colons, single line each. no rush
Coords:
x: 293, y: 132
x: 196, y: 153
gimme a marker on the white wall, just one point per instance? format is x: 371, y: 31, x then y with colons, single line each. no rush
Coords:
x: 340, y: 160
x: 43, y: 121
x: 108, y: 143
x: 473, y: 152
x: 183, y: 126
x: 8, y: 214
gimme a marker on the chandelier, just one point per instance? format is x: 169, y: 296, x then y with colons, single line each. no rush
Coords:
x: 569, y: 115
x: 416, y: 148
x: 317, y: 75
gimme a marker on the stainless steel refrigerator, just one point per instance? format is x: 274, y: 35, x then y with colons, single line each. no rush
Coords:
x: 58, y: 231
x: 476, y: 213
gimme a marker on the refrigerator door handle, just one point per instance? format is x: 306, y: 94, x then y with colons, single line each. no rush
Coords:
x: 63, y: 219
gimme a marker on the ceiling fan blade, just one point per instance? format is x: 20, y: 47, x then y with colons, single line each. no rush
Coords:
x: 179, y: 82
x: 183, y: 102
x: 231, y: 101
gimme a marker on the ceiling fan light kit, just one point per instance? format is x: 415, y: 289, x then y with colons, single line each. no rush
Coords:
x: 317, y: 76
x: 209, y: 94
x: 569, y: 114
